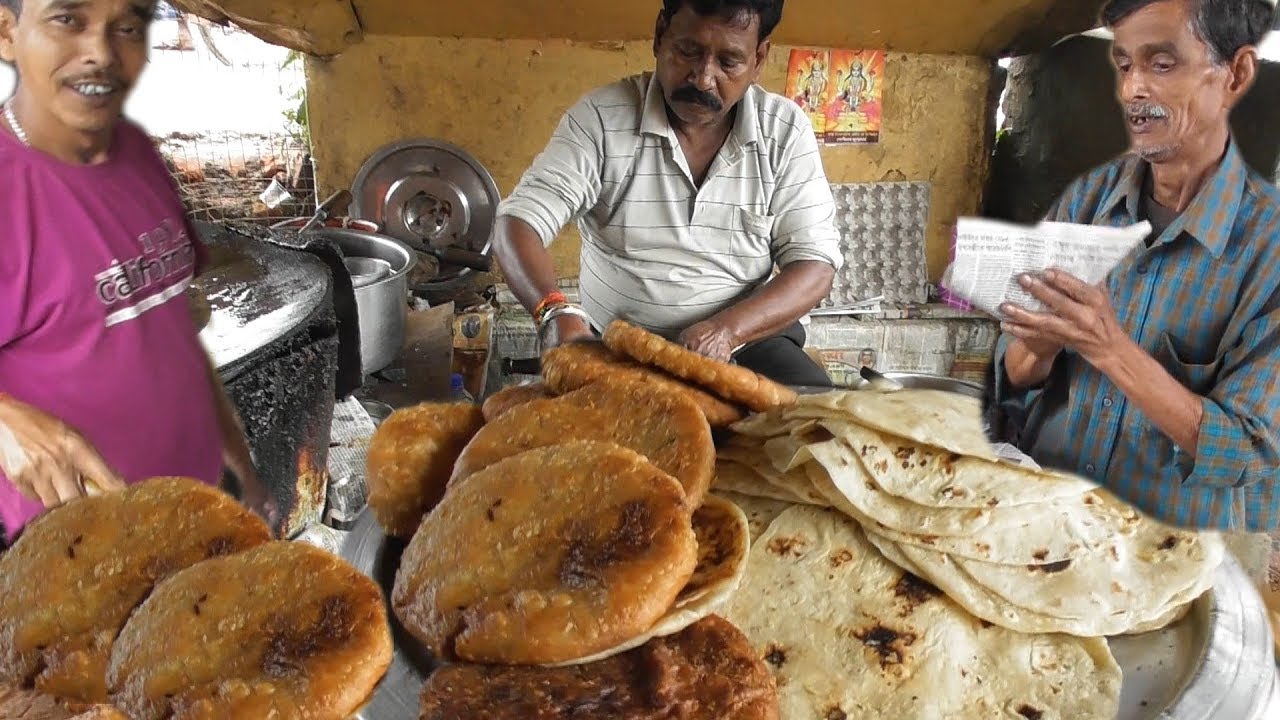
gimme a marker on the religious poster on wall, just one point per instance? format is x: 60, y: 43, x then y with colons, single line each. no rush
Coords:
x: 807, y: 85
x: 840, y: 92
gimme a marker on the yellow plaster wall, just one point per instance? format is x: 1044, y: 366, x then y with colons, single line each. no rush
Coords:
x: 500, y: 100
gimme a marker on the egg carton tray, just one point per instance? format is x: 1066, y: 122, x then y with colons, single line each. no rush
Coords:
x: 882, y: 238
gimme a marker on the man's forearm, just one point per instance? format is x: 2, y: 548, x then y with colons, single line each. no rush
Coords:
x: 1170, y: 406
x: 524, y: 260
x: 796, y: 290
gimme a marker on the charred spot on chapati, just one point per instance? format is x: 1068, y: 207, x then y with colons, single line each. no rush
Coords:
x: 1169, y: 543
x: 889, y: 644
x: 1029, y: 712
x: 835, y: 713
x: 775, y: 656
x: 841, y: 557
x: 783, y: 545
x: 1040, y: 554
x: 914, y: 592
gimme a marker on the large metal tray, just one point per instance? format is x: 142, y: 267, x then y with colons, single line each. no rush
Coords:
x: 1217, y: 663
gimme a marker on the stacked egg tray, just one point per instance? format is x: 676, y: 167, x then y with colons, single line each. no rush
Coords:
x: 882, y: 237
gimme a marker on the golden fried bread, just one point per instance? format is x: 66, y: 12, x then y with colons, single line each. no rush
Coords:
x: 546, y: 556
x: 513, y: 396
x: 575, y: 365
x: 665, y: 427
x: 69, y: 583
x: 410, y: 458
x: 31, y: 705
x: 708, y: 670
x: 731, y: 382
x: 285, y: 630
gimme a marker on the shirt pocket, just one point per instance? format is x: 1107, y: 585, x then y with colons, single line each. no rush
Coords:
x: 752, y: 234
x: 1197, y: 374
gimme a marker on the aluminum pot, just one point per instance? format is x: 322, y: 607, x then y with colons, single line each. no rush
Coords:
x: 382, y: 305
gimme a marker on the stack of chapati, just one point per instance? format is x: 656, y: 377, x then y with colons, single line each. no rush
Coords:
x: 1029, y: 550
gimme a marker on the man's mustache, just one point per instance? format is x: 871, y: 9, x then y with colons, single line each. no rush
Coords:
x: 1146, y: 110
x: 689, y: 93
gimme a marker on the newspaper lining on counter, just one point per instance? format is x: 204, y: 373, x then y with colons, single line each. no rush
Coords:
x: 990, y: 255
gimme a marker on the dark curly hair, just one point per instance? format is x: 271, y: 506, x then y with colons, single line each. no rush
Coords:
x: 1224, y: 25
x: 769, y: 11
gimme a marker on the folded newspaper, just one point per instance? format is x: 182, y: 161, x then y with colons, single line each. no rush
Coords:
x: 991, y: 255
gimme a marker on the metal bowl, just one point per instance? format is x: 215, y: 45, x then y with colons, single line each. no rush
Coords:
x: 383, y: 304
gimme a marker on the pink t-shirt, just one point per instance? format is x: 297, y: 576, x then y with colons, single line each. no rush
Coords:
x: 94, y: 321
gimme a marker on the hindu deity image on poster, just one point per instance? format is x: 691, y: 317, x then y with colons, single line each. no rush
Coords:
x: 852, y: 104
x: 808, y: 84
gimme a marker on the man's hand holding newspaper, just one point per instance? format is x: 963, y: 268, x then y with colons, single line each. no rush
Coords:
x: 991, y: 256
x: 1045, y: 283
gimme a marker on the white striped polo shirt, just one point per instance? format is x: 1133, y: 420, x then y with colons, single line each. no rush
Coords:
x: 658, y: 250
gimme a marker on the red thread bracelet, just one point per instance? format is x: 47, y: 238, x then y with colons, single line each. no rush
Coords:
x: 554, y: 297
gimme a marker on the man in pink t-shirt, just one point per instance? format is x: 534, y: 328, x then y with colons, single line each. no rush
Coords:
x: 103, y: 381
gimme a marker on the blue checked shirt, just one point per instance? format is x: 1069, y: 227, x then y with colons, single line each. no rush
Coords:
x: 1204, y: 300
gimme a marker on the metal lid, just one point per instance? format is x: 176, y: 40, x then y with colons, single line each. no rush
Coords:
x: 428, y: 194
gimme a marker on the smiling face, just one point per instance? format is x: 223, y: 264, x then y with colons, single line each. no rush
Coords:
x: 77, y: 60
x: 706, y: 63
x: 1175, y: 93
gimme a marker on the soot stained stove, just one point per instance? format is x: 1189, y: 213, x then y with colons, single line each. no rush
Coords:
x: 273, y: 333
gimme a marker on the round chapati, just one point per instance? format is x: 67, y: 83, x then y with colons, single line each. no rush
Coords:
x: 556, y: 553
x: 740, y: 479
x: 760, y: 511
x: 936, y: 418
x: 933, y: 477
x: 790, y: 484
x: 980, y: 600
x: 724, y: 539
x: 849, y: 634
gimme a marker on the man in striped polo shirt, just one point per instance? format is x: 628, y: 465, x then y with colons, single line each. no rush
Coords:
x: 1165, y: 385
x: 689, y: 185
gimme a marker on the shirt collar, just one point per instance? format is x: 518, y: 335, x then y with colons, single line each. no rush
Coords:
x: 1208, y: 218
x: 653, y: 116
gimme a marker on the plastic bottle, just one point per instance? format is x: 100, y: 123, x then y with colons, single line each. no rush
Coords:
x: 458, y: 390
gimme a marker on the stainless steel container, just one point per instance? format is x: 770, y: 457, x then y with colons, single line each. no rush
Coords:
x: 382, y: 305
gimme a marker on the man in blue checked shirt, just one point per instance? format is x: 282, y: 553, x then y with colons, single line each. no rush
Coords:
x: 1164, y: 385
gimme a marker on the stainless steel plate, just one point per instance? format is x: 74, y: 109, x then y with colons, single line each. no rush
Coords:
x: 1216, y: 663
x: 915, y: 381
x: 428, y: 194
x: 378, y: 556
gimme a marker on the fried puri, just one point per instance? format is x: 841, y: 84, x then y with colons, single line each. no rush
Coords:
x: 285, y: 630
x: 665, y: 427
x: 18, y: 704
x: 576, y: 365
x: 410, y: 458
x: 546, y: 556
x: 512, y: 397
x: 708, y: 670
x: 731, y: 382
x: 69, y: 583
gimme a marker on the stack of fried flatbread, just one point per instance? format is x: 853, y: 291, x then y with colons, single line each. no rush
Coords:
x: 574, y: 541
x: 1029, y: 550
x: 168, y: 600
